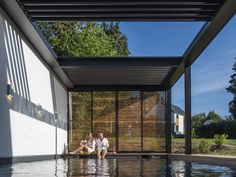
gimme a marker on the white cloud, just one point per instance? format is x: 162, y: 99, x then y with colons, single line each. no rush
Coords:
x: 209, y: 87
x: 212, y: 72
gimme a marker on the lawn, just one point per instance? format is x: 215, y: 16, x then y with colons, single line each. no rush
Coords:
x: 229, y: 148
x: 229, y: 141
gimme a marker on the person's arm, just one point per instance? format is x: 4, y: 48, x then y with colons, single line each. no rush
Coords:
x: 94, y: 145
x: 107, y: 144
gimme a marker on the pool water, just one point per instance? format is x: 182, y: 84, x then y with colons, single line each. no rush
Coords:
x: 113, y: 167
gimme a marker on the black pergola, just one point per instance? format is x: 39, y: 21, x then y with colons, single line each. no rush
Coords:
x: 132, y: 10
x: 124, y: 73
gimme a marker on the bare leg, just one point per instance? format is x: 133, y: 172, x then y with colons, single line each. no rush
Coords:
x: 104, y: 152
x: 99, y: 154
x: 79, y: 149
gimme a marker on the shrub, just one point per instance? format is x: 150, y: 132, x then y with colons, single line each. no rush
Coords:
x: 219, y: 140
x: 194, y: 135
x: 230, y: 128
x: 223, y: 127
x: 204, y: 146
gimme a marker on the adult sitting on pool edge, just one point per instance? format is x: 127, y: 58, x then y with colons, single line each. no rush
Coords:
x: 102, y: 145
x: 87, y: 145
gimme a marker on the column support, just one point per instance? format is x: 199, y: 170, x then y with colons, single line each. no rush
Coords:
x: 188, y: 106
x: 168, y: 120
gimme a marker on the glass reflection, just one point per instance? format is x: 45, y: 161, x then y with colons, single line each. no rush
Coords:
x: 138, y: 114
x: 153, y: 121
x: 129, y: 120
x: 104, y: 116
x: 81, y: 118
x: 123, y: 167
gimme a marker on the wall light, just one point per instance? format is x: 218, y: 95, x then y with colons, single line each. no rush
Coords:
x: 39, y: 108
x: 56, y: 116
x: 39, y: 111
x: 10, y: 90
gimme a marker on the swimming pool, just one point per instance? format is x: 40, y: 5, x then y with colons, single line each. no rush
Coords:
x: 113, y: 167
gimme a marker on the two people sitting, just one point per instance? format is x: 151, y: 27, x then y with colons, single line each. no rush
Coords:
x: 89, y: 145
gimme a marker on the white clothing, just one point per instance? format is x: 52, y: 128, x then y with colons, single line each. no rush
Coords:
x: 91, y: 146
x: 102, y: 144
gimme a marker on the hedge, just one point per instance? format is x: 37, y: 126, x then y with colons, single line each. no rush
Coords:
x: 223, y: 127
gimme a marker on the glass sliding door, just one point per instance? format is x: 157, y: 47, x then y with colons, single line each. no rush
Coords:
x: 129, y: 120
x: 138, y: 116
x: 81, y: 117
x: 153, y: 121
x: 104, y: 112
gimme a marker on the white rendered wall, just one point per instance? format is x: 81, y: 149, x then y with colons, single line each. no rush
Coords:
x: 23, y: 130
x: 181, y: 124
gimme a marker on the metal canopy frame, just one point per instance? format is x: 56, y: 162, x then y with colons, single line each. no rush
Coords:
x: 77, y: 62
x: 145, y: 73
x: 216, y: 14
x: 131, y: 10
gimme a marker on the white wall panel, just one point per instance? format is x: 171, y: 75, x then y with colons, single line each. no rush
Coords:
x: 23, y: 131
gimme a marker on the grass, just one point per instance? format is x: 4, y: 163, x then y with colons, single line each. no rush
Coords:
x: 229, y: 148
x: 229, y: 141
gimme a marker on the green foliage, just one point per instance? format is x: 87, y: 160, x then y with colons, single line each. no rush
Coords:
x: 213, y: 116
x: 198, y: 120
x: 232, y: 89
x: 85, y: 39
x: 219, y: 140
x: 119, y: 40
x: 207, y: 131
x: 230, y: 128
x: 194, y: 135
x: 204, y: 146
x: 223, y: 127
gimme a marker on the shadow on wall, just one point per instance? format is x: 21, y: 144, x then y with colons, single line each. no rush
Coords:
x: 5, y: 103
x: 13, y: 72
x: 17, y: 76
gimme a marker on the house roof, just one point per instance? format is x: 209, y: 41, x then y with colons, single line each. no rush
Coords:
x: 177, y: 110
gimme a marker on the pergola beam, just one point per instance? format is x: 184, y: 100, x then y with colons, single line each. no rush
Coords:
x: 204, y: 37
x: 116, y: 87
x: 120, y: 10
x: 76, y: 62
x: 120, y: 2
x: 124, y: 19
x: 133, y: 8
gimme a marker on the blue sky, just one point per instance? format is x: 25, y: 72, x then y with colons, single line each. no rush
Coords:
x: 210, y: 73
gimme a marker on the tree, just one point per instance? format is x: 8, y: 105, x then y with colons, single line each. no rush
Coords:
x: 119, y: 40
x: 198, y: 120
x: 232, y: 89
x: 85, y: 39
x: 213, y: 116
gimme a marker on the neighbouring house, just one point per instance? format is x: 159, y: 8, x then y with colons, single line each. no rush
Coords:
x: 208, y: 122
x: 177, y: 120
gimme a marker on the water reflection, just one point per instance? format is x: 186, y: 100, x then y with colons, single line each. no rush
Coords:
x: 113, y: 167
